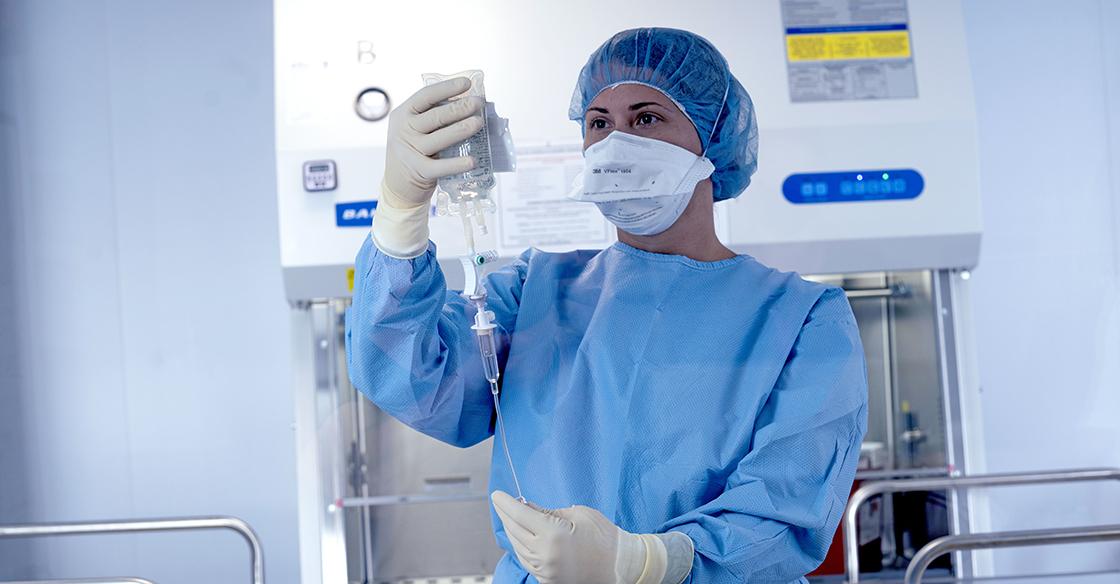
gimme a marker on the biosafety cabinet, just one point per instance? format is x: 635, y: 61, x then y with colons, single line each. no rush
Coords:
x: 867, y: 178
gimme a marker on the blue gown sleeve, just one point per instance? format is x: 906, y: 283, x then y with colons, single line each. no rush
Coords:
x: 410, y: 348
x: 776, y: 517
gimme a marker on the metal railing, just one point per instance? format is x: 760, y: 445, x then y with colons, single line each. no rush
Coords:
x: 388, y: 500
x: 891, y: 291
x: 868, y: 490
x: 903, y: 473
x: 1004, y: 539
x: 148, y: 525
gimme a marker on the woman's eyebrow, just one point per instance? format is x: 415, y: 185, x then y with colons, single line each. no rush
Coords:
x: 636, y: 106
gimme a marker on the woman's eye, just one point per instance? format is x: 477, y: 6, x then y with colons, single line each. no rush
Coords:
x: 598, y: 124
x: 646, y: 119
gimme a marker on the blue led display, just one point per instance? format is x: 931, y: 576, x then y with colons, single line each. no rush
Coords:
x: 853, y: 186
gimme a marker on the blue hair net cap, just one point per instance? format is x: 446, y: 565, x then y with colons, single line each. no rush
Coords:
x: 688, y: 69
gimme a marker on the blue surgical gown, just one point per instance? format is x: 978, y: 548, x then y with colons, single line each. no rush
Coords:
x: 725, y: 400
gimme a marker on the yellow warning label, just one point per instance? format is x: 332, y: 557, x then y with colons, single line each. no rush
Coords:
x: 890, y: 44
x: 350, y: 279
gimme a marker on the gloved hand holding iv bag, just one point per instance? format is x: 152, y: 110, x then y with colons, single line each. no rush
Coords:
x: 418, y: 129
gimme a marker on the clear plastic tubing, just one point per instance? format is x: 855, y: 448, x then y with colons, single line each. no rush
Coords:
x: 505, y: 445
x: 484, y: 332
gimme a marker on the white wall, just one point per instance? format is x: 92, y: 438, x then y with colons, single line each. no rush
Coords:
x: 1047, y: 290
x: 144, y: 352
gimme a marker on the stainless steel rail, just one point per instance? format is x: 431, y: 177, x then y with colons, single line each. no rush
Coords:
x: 148, y: 525
x: 868, y: 490
x: 1003, y: 539
x: 902, y: 473
x: 384, y: 500
x: 82, y: 581
x: 889, y: 292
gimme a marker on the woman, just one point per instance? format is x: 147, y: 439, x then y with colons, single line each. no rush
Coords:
x: 690, y: 413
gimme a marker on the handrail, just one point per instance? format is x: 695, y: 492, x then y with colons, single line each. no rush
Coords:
x: 81, y: 581
x: 148, y: 525
x: 888, y: 292
x: 903, y: 473
x: 868, y: 490
x: 388, y: 500
x: 1003, y: 539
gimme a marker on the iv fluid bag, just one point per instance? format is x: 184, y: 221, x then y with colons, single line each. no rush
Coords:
x: 475, y: 184
x: 491, y: 147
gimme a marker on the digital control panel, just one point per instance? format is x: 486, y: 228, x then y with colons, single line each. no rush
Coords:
x: 853, y: 186
x: 319, y: 175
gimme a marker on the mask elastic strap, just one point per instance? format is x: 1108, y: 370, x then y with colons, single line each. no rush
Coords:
x: 715, y: 123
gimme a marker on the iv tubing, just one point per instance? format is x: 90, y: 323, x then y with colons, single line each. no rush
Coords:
x: 505, y: 445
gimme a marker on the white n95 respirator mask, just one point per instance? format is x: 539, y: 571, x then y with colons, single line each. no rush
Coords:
x: 640, y: 184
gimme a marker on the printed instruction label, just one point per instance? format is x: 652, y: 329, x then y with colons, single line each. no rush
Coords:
x: 534, y: 207
x: 848, y: 50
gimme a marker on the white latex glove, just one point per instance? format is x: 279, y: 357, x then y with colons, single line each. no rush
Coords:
x: 578, y: 545
x: 418, y: 129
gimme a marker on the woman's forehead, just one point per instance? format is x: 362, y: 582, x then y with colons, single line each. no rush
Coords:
x: 626, y: 94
